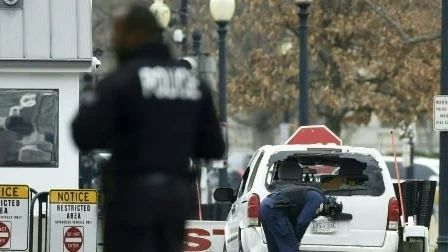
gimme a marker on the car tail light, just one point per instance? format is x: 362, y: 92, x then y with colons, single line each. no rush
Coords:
x: 393, y: 214
x: 253, y: 208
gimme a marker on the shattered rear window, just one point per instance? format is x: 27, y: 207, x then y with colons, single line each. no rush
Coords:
x: 339, y: 174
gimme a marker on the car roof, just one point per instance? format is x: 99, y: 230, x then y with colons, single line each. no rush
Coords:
x: 324, y: 147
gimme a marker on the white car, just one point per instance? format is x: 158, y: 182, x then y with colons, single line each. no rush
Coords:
x: 365, y: 189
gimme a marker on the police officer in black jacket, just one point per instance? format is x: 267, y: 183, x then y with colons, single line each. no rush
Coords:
x: 153, y: 115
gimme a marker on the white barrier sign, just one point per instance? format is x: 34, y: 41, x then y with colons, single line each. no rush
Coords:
x: 204, y: 236
x: 73, y: 220
x: 14, y: 218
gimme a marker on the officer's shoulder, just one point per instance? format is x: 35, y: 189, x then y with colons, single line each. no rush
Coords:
x: 121, y: 75
x: 109, y: 82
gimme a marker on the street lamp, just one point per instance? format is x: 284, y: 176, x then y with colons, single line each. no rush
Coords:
x: 197, y: 36
x: 162, y: 13
x: 178, y: 37
x: 222, y: 12
x: 303, y: 78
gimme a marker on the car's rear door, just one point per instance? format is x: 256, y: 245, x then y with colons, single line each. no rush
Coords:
x: 366, y: 228
x: 367, y: 203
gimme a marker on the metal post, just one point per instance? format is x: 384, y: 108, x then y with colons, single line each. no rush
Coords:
x: 222, y: 31
x: 443, y: 174
x: 184, y: 21
x: 286, y: 116
x: 411, y: 170
x: 197, y: 36
x: 303, y: 79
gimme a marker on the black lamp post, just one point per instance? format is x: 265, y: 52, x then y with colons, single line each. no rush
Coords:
x: 197, y: 36
x: 222, y: 12
x: 303, y: 79
x: 443, y: 174
x: 222, y: 31
x: 184, y: 22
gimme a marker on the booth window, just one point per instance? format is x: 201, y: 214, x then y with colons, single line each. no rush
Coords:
x: 29, y: 127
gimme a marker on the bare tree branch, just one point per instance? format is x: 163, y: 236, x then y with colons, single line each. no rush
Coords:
x: 292, y: 29
x: 404, y: 37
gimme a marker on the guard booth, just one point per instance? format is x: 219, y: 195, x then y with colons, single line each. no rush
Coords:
x: 44, y: 47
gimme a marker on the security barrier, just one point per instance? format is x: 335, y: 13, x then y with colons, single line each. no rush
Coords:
x: 41, y: 198
x: 418, y: 198
x: 14, y: 207
x: 65, y: 220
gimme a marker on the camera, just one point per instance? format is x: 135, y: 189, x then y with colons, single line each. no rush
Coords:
x: 331, y: 208
x: 96, y: 63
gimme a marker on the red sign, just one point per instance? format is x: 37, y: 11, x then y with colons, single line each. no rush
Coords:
x: 317, y: 134
x: 5, y: 234
x: 73, y: 239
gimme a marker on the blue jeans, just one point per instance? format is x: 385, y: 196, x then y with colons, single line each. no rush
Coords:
x: 280, y: 234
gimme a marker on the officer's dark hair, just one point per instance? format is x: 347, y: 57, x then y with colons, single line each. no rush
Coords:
x: 139, y: 19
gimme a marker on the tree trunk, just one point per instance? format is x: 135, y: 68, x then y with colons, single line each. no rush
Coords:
x: 334, y: 124
x: 428, y: 135
x: 263, y: 136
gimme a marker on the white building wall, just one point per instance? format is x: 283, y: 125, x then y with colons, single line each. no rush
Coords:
x: 46, y: 29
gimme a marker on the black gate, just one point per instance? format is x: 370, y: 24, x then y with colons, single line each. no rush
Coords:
x: 418, y: 199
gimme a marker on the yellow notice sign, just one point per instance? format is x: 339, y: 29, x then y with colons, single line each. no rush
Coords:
x: 14, y: 191
x: 73, y: 197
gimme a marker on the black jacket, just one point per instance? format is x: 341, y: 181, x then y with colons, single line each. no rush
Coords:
x: 152, y: 114
x: 296, y: 198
